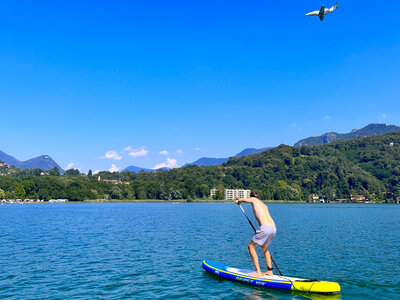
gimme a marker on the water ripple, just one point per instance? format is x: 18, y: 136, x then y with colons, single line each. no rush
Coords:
x: 119, y: 251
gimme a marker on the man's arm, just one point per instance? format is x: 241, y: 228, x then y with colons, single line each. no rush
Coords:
x: 248, y: 200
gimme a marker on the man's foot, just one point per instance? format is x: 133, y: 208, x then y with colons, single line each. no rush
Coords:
x: 268, y: 273
x: 255, y: 274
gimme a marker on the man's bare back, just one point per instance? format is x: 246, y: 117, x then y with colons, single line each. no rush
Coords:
x: 260, y: 211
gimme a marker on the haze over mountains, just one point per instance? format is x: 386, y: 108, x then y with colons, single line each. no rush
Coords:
x: 45, y: 162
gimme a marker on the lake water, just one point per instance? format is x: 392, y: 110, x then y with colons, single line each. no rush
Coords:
x: 155, y: 250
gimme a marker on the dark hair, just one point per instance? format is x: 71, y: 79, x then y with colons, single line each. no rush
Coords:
x: 254, y: 194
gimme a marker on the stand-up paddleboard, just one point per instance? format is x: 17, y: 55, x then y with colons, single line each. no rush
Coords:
x: 275, y: 281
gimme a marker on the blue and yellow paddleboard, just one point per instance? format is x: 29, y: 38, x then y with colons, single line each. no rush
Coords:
x: 276, y: 281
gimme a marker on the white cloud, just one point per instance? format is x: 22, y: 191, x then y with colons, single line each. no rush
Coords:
x: 179, y: 151
x: 164, y: 152
x: 71, y: 166
x: 112, y: 155
x: 96, y: 172
x: 126, y: 149
x: 170, y: 163
x: 113, y: 168
x: 383, y: 116
x: 197, y: 149
x: 138, y: 152
x: 327, y: 117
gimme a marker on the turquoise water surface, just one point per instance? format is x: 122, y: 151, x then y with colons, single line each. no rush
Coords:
x: 155, y: 250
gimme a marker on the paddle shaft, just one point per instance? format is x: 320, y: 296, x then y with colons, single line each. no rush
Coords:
x: 276, y: 266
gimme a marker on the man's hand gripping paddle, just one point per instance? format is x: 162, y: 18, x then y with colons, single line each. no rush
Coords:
x: 251, y: 224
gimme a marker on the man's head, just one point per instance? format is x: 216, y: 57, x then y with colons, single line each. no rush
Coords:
x: 254, y: 194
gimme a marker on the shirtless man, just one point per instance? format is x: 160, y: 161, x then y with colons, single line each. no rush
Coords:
x: 264, y: 234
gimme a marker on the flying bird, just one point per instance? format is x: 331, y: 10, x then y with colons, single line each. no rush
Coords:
x: 323, y: 11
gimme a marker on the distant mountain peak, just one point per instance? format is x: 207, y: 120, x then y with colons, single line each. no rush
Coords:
x: 329, y: 137
x: 209, y: 161
x: 43, y: 162
x: 138, y: 169
x: 135, y: 169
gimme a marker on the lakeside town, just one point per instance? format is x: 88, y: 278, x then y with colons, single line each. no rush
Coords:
x: 229, y: 195
x: 359, y: 170
x: 22, y: 201
x: 234, y: 194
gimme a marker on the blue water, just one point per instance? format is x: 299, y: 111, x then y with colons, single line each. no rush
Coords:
x: 155, y: 250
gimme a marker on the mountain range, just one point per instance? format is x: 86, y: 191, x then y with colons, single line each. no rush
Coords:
x: 209, y: 161
x: 369, y: 130
x: 43, y: 162
x: 204, y: 161
x: 138, y: 169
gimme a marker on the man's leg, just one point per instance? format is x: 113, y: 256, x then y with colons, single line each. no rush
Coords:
x: 253, y: 254
x: 267, y: 256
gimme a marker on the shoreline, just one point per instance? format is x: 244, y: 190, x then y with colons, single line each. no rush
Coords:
x: 186, y: 201
x: 208, y: 201
x: 175, y: 201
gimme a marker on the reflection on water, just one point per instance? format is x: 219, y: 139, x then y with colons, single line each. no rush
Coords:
x: 258, y: 293
x: 314, y: 296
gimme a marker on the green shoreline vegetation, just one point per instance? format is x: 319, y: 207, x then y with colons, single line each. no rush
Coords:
x: 195, y: 201
x: 179, y: 201
x: 368, y: 166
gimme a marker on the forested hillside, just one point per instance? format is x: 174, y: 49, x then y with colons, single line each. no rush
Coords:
x: 368, y: 166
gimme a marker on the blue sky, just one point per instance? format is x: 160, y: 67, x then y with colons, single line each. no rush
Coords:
x: 108, y: 84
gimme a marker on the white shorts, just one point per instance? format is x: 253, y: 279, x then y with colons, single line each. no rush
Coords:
x: 264, y: 235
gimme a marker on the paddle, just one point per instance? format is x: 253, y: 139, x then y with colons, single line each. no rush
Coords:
x: 276, y: 266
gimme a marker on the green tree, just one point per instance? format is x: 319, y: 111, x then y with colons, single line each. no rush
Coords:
x: 72, y: 172
x: 116, y: 192
x: 219, y: 195
x: 142, y: 195
x: 54, y: 172
x: 10, y: 195
x: 20, y: 191
x: 30, y: 188
x: 36, y: 171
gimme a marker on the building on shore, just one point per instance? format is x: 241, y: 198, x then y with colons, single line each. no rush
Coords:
x: 314, y: 198
x: 233, y: 194
x: 213, y: 192
x: 115, y: 181
x: 358, y: 198
x: 58, y: 200
x: 341, y: 200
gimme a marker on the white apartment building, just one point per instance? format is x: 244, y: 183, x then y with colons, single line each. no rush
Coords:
x: 212, y: 192
x: 231, y: 194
